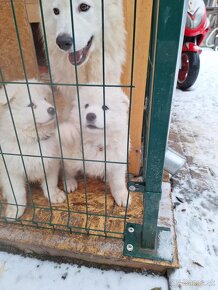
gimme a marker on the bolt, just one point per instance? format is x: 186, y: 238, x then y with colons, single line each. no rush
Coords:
x: 129, y: 248
x: 132, y: 188
x: 131, y: 230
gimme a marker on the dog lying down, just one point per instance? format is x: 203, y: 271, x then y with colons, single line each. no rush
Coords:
x: 21, y: 109
x: 93, y: 109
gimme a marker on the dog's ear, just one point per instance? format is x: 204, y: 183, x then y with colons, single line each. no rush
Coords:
x: 7, y: 93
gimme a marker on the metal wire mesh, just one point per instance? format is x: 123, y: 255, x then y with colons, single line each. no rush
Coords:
x: 68, y: 215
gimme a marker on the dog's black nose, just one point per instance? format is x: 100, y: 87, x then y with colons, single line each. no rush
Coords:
x: 64, y: 41
x: 51, y: 111
x: 90, y: 117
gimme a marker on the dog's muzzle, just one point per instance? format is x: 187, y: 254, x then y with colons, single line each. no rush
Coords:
x: 51, y: 111
x: 90, y: 118
x: 64, y: 41
x: 80, y: 56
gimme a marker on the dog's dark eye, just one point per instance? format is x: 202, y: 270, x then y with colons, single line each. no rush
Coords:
x: 84, y: 7
x: 56, y: 11
x: 105, y: 108
x: 86, y: 106
x: 31, y: 105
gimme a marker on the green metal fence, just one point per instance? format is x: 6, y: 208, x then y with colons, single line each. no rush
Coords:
x: 164, y: 46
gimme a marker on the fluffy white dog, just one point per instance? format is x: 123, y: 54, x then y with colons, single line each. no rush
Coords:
x: 95, y: 116
x: 87, y: 38
x: 21, y: 108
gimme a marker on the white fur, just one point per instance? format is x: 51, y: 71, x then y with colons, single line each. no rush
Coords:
x: 23, y: 118
x: 86, y: 24
x: 116, y: 121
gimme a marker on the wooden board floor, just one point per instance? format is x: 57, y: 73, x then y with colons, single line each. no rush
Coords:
x: 65, y: 242
x: 85, y: 213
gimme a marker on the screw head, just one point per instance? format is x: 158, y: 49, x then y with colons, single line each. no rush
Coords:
x: 129, y: 248
x: 132, y: 188
x: 131, y: 230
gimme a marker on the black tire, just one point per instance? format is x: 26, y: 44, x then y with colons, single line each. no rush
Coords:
x: 192, y: 71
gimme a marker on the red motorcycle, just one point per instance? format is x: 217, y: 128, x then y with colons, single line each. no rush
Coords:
x: 197, y: 26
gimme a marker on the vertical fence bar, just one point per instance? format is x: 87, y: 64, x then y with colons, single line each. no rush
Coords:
x: 166, y: 40
x: 80, y: 116
x: 9, y: 179
x: 130, y: 102
x: 105, y: 132
x: 55, y: 106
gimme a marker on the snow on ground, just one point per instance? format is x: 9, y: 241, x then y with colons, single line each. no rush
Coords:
x: 195, y: 123
x: 18, y: 273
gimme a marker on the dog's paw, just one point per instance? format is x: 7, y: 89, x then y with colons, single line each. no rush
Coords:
x: 58, y: 196
x: 71, y: 185
x: 13, y: 212
x: 121, y: 198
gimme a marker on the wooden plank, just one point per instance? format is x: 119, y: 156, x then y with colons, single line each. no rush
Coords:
x: 143, y: 27
x: 10, y: 59
x: 89, y: 249
x: 33, y: 12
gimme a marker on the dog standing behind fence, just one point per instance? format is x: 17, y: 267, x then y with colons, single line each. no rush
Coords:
x: 104, y: 134
x: 21, y: 109
x: 87, y: 38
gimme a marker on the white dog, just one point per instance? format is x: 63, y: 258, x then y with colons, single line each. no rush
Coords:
x: 87, y: 38
x: 94, y: 115
x: 21, y: 109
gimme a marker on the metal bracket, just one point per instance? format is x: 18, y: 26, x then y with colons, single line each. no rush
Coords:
x: 132, y: 243
x: 136, y: 186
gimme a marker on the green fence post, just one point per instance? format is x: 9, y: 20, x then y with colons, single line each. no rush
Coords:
x: 166, y: 41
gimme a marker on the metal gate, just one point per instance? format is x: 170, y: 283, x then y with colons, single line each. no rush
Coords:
x: 93, y: 211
